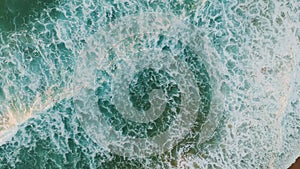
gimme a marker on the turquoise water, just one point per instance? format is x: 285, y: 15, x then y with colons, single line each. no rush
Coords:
x: 149, y: 84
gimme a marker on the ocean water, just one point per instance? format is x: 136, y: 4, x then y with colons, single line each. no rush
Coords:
x: 149, y: 84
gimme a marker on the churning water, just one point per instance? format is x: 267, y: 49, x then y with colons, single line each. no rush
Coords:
x: 149, y: 84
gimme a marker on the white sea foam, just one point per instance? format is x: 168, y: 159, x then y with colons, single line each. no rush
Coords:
x: 252, y: 56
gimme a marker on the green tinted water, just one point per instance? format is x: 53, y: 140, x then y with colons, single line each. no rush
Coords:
x: 46, y: 81
x: 16, y: 14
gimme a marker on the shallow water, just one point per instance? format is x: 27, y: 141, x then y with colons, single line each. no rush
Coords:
x: 148, y: 84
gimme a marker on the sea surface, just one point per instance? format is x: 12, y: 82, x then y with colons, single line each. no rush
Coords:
x: 149, y: 84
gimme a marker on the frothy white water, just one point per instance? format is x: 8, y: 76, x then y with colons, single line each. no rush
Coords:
x: 251, y: 55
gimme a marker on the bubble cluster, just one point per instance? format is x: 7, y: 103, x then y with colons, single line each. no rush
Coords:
x: 151, y: 55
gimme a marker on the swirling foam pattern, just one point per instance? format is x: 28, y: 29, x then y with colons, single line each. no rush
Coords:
x: 149, y: 84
